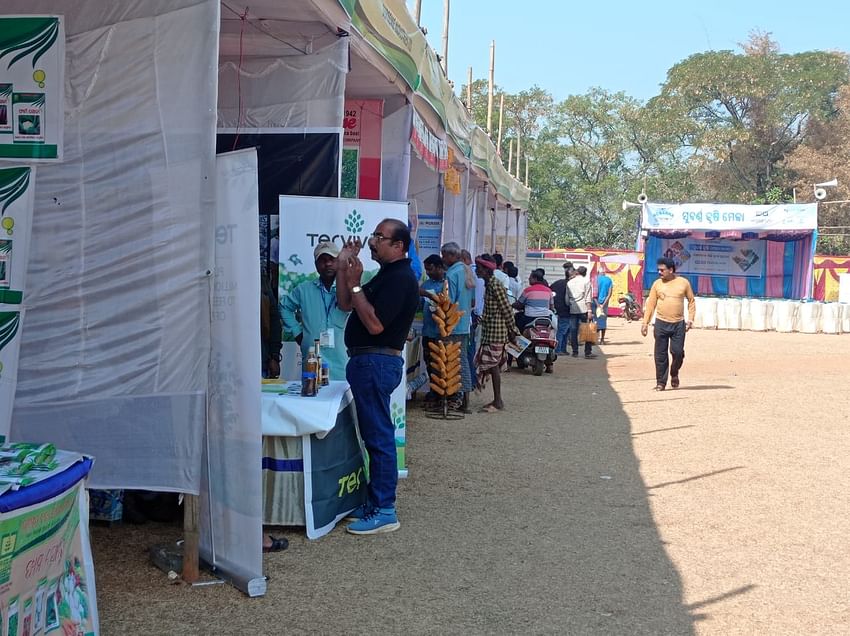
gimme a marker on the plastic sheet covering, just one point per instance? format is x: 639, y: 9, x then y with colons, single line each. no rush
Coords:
x: 808, y: 317
x: 115, y: 349
x: 845, y: 317
x: 830, y: 319
x: 761, y: 313
x: 296, y: 92
x: 746, y: 316
x: 707, y: 309
x: 731, y: 314
x: 784, y: 315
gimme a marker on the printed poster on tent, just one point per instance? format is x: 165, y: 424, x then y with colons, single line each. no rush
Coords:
x: 16, y: 204
x: 46, y: 571
x: 307, y: 221
x: 32, y: 87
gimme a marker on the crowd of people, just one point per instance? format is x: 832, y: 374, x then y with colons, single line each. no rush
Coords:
x: 363, y: 320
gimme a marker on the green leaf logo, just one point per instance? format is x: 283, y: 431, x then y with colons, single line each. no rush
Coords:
x: 26, y: 36
x: 13, y: 183
x: 9, y: 321
x: 354, y: 222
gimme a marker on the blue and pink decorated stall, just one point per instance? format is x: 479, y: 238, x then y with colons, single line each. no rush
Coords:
x: 758, y: 251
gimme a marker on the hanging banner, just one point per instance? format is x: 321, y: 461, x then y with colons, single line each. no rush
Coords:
x: 361, y: 155
x: 307, y: 221
x: 430, y: 148
x: 32, y: 87
x: 16, y: 204
x: 716, y: 257
x: 451, y: 178
x: 710, y: 216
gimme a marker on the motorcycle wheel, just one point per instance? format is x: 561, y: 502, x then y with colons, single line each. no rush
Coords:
x: 520, y: 362
x: 538, y: 366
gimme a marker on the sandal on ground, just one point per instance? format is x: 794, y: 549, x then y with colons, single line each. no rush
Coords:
x: 277, y: 545
x: 674, y: 381
x: 659, y: 387
x: 488, y: 409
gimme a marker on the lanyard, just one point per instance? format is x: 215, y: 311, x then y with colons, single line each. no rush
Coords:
x: 328, y: 305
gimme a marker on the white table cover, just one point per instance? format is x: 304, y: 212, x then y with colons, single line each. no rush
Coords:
x: 293, y: 415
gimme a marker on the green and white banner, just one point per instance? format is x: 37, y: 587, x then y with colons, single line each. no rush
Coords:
x: 307, y: 221
x: 16, y: 205
x: 32, y: 87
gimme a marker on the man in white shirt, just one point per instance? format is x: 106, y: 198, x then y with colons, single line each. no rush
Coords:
x: 581, y: 301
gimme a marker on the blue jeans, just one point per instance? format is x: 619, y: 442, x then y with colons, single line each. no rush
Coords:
x: 563, y: 333
x: 373, y: 377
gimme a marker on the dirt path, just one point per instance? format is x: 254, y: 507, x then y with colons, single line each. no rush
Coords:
x: 591, y: 506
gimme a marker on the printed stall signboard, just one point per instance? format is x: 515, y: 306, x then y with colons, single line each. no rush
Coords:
x: 32, y: 87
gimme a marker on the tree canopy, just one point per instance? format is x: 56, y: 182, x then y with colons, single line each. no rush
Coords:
x: 749, y: 126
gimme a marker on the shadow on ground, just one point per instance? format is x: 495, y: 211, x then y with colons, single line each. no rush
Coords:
x: 530, y: 521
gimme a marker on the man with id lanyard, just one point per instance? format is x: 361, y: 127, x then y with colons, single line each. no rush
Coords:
x: 320, y: 316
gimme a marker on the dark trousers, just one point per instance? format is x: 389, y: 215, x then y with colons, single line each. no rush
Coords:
x: 575, y: 319
x: 373, y: 377
x: 668, y: 336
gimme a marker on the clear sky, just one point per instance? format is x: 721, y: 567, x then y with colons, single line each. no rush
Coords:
x: 568, y: 47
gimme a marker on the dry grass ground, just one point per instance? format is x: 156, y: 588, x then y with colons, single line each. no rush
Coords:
x: 592, y: 505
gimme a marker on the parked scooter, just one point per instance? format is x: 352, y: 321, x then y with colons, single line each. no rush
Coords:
x: 540, y: 353
x: 630, y: 307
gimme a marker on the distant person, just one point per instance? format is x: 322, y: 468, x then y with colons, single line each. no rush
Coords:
x: 477, y: 309
x: 435, y: 271
x: 382, y: 311
x: 604, y: 287
x: 561, y: 302
x: 534, y: 302
x: 581, y: 297
x: 541, y: 274
x: 497, y: 329
x: 514, y: 286
x: 462, y: 293
x: 270, y: 329
x: 500, y: 275
x: 667, y: 298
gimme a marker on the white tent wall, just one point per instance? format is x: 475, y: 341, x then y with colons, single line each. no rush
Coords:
x: 395, y: 154
x: 115, y: 348
x: 297, y: 93
x: 424, y: 188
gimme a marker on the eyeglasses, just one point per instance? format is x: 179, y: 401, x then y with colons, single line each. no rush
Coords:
x: 380, y: 237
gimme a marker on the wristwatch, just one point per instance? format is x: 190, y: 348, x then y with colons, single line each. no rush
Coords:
x: 356, y: 289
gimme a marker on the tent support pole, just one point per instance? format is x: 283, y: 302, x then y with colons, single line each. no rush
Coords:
x: 191, y: 538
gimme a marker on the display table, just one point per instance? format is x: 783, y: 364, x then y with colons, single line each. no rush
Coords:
x: 46, y: 569
x: 313, y: 469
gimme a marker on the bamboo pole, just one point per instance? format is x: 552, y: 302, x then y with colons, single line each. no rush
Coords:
x: 518, y: 149
x: 507, y: 225
x: 501, y: 112
x: 526, y: 171
x: 191, y: 539
x: 493, y: 229
x: 418, y: 12
x: 517, y: 238
x: 511, y: 157
x: 469, y: 91
x: 490, y: 90
x: 445, y: 60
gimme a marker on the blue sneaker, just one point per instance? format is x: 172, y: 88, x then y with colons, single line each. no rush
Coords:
x: 377, y: 521
x: 358, y: 513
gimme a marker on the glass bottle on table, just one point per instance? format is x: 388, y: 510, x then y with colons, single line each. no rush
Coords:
x: 309, y: 375
x: 318, y: 347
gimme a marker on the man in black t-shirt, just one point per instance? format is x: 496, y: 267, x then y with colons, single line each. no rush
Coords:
x: 382, y: 311
x: 562, y: 307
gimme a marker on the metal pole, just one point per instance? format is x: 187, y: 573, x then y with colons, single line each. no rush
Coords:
x: 507, y: 226
x: 493, y: 229
x: 518, y: 149
x: 490, y: 90
x: 511, y: 157
x: 517, y: 237
x: 526, y: 172
x: 446, y: 37
x: 501, y: 112
x: 469, y: 91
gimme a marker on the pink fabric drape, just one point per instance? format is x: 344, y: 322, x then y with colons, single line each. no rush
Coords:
x: 774, y: 269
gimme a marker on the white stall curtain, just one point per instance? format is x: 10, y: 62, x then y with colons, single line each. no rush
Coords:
x: 295, y: 93
x: 115, y: 349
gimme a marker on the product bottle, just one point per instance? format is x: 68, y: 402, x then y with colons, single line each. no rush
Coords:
x: 326, y: 373
x: 318, y: 348
x: 309, y: 375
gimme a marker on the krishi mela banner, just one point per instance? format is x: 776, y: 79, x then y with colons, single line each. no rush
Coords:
x: 32, y: 87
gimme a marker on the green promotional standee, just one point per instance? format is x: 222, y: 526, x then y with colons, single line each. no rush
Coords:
x: 307, y: 221
x: 16, y: 205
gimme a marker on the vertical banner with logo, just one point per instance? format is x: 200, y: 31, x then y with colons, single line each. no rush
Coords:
x: 16, y: 204
x: 429, y: 231
x: 32, y: 87
x: 361, y: 148
x: 307, y: 221
x: 234, y: 434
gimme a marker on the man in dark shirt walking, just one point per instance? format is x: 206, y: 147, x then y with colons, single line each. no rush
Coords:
x: 562, y: 307
x: 382, y: 311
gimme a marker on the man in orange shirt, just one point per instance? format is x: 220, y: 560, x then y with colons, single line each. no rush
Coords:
x: 667, y: 297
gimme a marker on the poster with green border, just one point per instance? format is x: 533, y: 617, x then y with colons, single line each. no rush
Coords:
x: 32, y: 87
